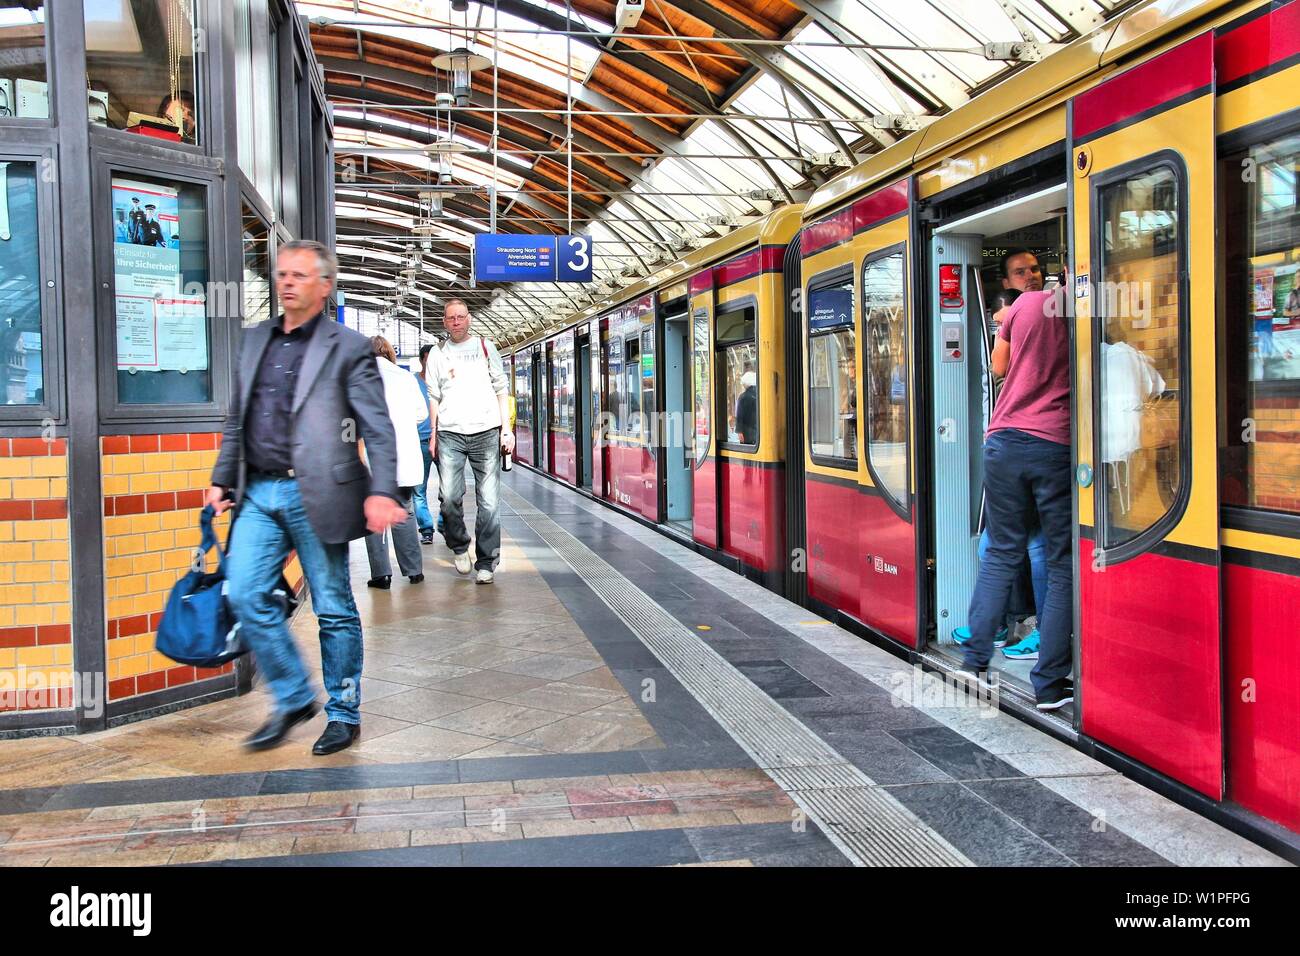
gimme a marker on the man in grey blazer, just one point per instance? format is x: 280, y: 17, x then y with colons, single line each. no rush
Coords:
x: 307, y: 390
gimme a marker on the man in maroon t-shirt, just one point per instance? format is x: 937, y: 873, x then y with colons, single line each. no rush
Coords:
x: 1027, y: 469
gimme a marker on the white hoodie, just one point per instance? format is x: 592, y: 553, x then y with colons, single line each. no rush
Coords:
x: 407, y: 408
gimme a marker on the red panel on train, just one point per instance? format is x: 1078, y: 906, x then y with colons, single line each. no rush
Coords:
x: 705, y: 524
x: 887, y: 596
x: 1153, y: 691
x: 1257, y: 45
x: 1181, y: 72
x: 1263, y: 693
x: 753, y: 502
x: 833, y: 555
x: 523, y: 443
x: 826, y: 233
x: 633, y: 480
x: 879, y: 206
x: 564, y: 457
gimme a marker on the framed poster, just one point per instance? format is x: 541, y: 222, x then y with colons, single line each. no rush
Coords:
x: 161, y: 324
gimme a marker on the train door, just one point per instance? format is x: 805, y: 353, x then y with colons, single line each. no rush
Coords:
x: 886, y: 525
x: 1142, y: 150
x: 677, y: 419
x: 962, y: 393
x: 982, y: 253
x: 601, y: 408
x: 540, y: 419
x: 550, y: 383
x: 706, y: 498
x: 582, y: 392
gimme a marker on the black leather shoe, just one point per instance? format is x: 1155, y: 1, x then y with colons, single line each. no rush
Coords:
x: 426, y: 537
x: 277, y: 728
x: 338, y: 736
x: 383, y: 583
x: 417, y: 578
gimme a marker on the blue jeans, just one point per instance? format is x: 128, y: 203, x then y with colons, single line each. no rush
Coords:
x: 270, y: 522
x: 483, y: 452
x: 1037, y: 570
x: 1024, y: 474
x: 423, y: 519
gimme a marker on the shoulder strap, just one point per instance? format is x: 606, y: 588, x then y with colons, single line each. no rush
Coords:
x: 483, y: 345
x: 209, y: 537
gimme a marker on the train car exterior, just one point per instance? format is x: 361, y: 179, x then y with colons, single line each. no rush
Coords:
x: 670, y: 405
x: 1121, y: 155
x: 1151, y: 168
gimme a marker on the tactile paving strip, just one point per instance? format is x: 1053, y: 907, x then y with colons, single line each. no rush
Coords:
x: 868, y: 825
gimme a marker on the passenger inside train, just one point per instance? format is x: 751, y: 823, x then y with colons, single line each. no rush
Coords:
x: 996, y: 253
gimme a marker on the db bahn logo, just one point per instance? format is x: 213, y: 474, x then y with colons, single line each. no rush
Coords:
x: 881, y: 566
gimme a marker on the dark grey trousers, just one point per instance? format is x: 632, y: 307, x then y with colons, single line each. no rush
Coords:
x: 406, y: 541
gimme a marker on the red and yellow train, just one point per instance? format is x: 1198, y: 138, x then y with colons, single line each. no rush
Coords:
x: 805, y: 399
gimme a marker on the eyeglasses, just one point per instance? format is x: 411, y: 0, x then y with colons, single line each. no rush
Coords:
x: 281, y: 275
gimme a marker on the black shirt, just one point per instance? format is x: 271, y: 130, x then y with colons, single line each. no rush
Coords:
x: 267, y: 423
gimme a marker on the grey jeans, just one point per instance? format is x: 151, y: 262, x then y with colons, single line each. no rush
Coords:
x: 406, y: 541
x: 483, y: 452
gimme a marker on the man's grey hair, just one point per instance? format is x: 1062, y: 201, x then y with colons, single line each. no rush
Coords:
x: 327, y: 261
x: 451, y: 302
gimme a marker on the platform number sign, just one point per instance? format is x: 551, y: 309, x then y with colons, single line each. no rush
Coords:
x: 500, y: 257
x: 574, y: 263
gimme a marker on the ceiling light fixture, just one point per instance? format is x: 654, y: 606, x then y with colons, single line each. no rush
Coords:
x: 461, y: 63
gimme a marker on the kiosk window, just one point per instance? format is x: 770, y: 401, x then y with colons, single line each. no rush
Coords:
x: 22, y: 356
x: 1260, y: 223
x: 23, y: 90
x: 140, y: 65
x: 160, y: 278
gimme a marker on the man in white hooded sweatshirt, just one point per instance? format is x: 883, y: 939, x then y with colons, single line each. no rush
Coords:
x: 469, y: 399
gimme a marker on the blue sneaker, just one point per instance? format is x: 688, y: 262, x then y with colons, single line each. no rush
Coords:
x: 1026, y: 650
x: 960, y: 635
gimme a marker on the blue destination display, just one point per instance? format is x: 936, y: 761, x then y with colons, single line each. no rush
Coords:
x: 830, y: 307
x: 499, y: 257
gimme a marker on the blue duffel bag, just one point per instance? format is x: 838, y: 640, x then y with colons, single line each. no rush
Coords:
x: 198, y: 627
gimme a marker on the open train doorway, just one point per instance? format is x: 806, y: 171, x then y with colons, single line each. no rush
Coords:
x: 678, y: 423
x: 980, y: 259
x: 582, y: 428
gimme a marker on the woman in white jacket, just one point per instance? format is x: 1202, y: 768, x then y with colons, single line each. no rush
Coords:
x: 407, y: 408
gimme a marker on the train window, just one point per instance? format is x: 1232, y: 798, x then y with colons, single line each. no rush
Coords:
x: 832, y: 371
x: 617, y: 413
x: 884, y: 343
x: 647, y: 406
x: 700, y: 383
x: 735, y: 326
x: 632, y: 387
x: 1260, y: 324
x: 738, y: 367
x: 1138, y: 298
x: 523, y: 404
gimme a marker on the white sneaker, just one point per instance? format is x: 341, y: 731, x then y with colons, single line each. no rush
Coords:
x: 484, y: 576
x: 463, y: 563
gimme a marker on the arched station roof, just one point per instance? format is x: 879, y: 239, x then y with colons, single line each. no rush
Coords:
x: 652, y: 138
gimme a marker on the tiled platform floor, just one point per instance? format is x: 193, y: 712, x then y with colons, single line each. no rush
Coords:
x: 512, y: 725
